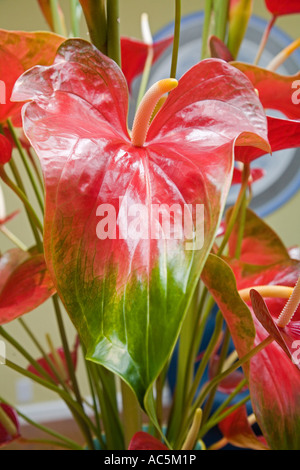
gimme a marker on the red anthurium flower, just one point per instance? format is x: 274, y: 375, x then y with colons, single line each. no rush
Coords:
x: 276, y: 92
x: 280, y: 7
x: 144, y: 441
x: 24, y: 284
x: 264, y: 262
x: 134, y: 54
x: 238, y: 431
x: 288, y: 336
x: 20, y: 50
x: 9, y: 425
x: 58, y: 359
x: 129, y: 282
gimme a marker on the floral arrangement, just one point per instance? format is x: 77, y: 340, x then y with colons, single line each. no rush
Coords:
x: 135, y: 244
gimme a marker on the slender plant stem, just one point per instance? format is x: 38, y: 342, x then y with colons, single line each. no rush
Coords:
x: 20, y: 185
x: 26, y: 355
x: 36, y: 169
x: 22, y: 197
x: 70, y: 366
x: 132, y: 421
x: 44, y: 354
x: 217, y: 416
x: 199, y: 374
x: 208, y: 20
x: 176, y: 40
x: 264, y: 40
x: 26, y: 165
x: 113, y: 31
x: 12, y: 237
x: 210, y: 386
x: 95, y: 17
x: 236, y: 209
x: 221, y: 8
x: 74, y: 10
x: 94, y: 399
x: 70, y: 443
x: 57, y: 21
x: 211, y: 396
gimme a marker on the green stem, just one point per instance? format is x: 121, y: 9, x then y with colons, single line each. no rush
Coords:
x: 217, y: 416
x: 145, y: 76
x: 221, y: 8
x: 241, y: 227
x: 113, y: 31
x: 70, y: 367
x: 211, y: 397
x: 20, y: 184
x: 216, y: 380
x: 57, y: 23
x: 75, y: 17
x: 44, y: 354
x: 26, y: 355
x: 176, y: 40
x: 26, y: 165
x: 183, y: 381
x: 54, y: 388
x: 132, y: 421
x: 22, y: 197
x: 70, y: 443
x: 95, y: 17
x: 264, y: 40
x: 236, y: 209
x: 95, y: 404
x: 222, y: 416
x: 199, y: 374
x: 207, y: 27
x: 12, y: 237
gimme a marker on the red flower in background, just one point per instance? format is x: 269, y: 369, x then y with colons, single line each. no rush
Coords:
x: 9, y: 425
x: 283, y: 7
x: 19, y: 51
x: 59, y: 362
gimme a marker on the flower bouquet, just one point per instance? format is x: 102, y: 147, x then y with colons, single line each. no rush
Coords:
x: 133, y: 238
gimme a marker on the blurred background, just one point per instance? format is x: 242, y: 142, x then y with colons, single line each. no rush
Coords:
x: 278, y: 203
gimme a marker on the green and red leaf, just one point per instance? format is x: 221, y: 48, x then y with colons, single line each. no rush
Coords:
x: 24, y: 284
x: 260, y: 245
x: 127, y: 296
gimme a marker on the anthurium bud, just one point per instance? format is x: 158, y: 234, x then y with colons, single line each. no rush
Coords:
x: 239, y: 15
x: 5, y: 150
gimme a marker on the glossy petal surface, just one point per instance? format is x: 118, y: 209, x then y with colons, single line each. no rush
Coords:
x: 127, y: 292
